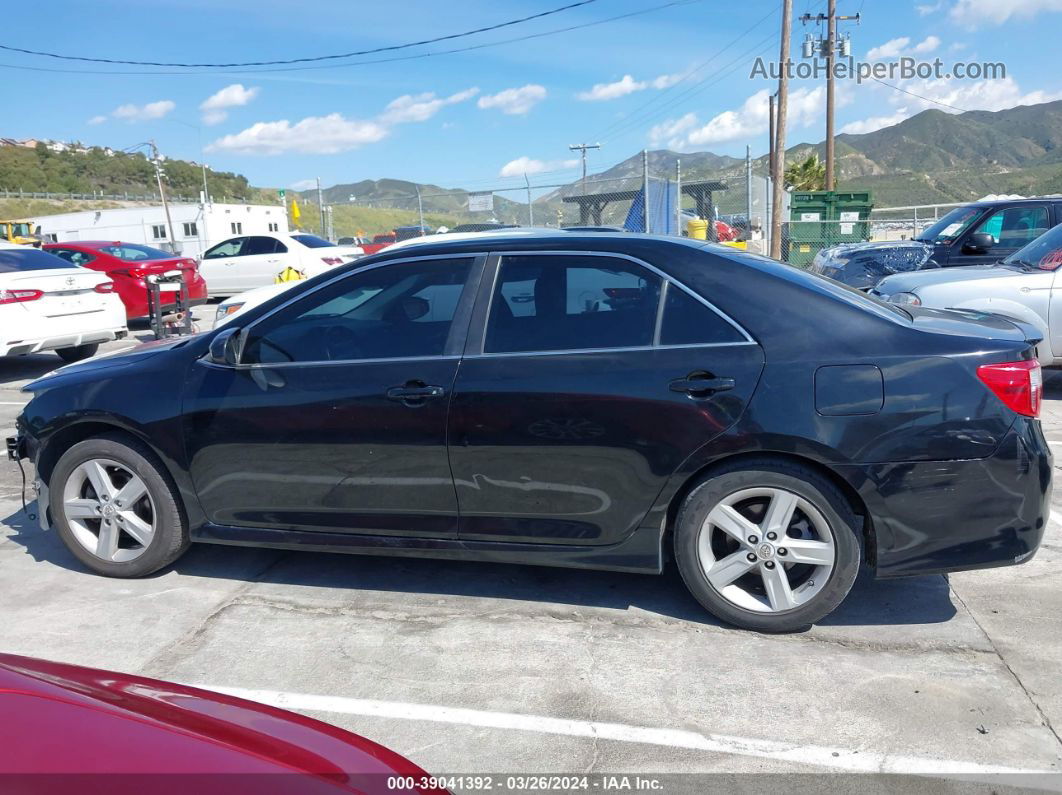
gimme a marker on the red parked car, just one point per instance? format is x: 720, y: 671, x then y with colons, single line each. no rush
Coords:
x: 63, y: 725
x: 127, y: 264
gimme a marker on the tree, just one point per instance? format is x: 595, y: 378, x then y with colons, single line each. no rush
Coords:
x: 808, y: 174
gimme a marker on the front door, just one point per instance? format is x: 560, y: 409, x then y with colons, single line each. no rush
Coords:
x: 594, y: 379
x: 335, y: 418
x: 1010, y: 228
x: 261, y: 260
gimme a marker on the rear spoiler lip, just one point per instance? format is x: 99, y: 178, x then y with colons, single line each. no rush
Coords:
x: 1033, y: 335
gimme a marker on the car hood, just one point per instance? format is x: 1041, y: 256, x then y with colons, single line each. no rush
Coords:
x: 912, y: 282
x: 109, y: 722
x: 863, y: 265
x: 111, y: 359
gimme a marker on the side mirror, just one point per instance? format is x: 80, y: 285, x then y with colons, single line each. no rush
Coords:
x: 979, y: 243
x: 225, y: 347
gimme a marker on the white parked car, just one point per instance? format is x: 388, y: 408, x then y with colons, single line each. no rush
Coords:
x: 238, y: 304
x: 243, y: 263
x: 1025, y: 287
x: 47, y: 304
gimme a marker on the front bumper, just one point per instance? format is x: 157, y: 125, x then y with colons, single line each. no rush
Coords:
x: 22, y: 447
x: 940, y: 516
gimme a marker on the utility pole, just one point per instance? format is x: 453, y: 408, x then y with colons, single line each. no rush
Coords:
x: 420, y: 211
x: 530, y: 209
x: 206, y: 191
x: 770, y: 133
x: 645, y: 188
x: 828, y: 49
x: 162, y: 194
x: 678, y: 196
x: 582, y: 148
x: 748, y: 192
x: 779, y: 143
x: 320, y: 206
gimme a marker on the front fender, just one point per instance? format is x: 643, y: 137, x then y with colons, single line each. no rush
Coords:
x: 1013, y: 310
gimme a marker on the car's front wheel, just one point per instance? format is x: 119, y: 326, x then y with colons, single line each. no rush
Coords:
x: 115, y: 507
x: 769, y: 545
x: 78, y: 352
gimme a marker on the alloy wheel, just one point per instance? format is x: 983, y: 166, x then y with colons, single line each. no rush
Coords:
x: 109, y: 510
x: 766, y: 549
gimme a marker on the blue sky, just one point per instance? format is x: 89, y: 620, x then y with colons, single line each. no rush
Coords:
x: 675, y: 77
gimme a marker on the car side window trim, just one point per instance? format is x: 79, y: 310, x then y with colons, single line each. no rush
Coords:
x: 488, y: 289
x: 454, y: 342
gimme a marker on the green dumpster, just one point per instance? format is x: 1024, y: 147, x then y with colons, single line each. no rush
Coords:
x: 819, y: 219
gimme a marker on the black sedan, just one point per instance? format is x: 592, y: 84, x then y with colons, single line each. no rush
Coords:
x: 594, y: 400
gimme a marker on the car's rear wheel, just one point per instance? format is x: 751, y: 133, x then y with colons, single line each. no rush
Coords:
x: 78, y: 352
x: 768, y: 545
x: 116, y: 508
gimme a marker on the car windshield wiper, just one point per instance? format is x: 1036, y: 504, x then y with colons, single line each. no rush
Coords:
x: 1023, y: 263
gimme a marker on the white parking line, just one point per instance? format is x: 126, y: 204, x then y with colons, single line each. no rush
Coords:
x: 12, y: 403
x: 1056, y: 517
x: 838, y: 758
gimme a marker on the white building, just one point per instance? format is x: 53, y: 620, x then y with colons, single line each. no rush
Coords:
x: 196, y: 227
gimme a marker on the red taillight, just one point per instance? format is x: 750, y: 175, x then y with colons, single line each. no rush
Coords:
x: 104, y: 287
x: 332, y: 260
x: 1020, y: 385
x: 135, y: 273
x: 18, y: 296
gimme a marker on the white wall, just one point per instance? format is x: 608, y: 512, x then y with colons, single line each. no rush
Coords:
x: 214, y: 223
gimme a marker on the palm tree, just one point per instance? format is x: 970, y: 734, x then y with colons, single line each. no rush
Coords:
x: 808, y: 174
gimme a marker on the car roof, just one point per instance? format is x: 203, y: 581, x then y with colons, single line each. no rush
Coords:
x: 1022, y: 200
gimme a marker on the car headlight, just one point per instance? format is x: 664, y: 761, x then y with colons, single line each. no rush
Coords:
x: 224, y: 310
x: 905, y: 298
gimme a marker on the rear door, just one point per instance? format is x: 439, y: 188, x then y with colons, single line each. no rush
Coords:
x: 587, y: 382
x: 220, y: 267
x: 261, y: 259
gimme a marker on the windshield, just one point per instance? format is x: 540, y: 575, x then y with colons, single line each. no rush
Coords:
x: 1044, y: 253
x: 20, y: 230
x: 948, y: 228
x: 131, y: 252
x: 312, y: 241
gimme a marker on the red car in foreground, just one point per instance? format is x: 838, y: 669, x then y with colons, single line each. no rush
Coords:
x: 127, y: 264
x: 68, y: 729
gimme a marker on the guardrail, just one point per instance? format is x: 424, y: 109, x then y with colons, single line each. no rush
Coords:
x: 127, y: 197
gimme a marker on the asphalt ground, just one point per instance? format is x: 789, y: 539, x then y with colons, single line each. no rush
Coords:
x: 496, y: 669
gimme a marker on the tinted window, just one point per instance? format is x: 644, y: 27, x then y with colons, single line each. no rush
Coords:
x: 393, y: 311
x: 131, y: 252
x: 15, y: 260
x: 312, y: 241
x: 72, y: 256
x: 687, y: 321
x: 230, y: 248
x: 556, y: 303
x: 262, y: 245
x: 951, y: 225
x: 1044, y: 253
x: 1016, y: 226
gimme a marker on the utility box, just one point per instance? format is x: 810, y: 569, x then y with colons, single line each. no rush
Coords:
x: 820, y: 219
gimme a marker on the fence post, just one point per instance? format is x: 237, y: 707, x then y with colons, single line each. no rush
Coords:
x: 678, y: 196
x: 914, y: 230
x: 645, y: 188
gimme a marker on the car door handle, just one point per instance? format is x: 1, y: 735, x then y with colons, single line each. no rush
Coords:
x: 414, y: 392
x: 701, y: 387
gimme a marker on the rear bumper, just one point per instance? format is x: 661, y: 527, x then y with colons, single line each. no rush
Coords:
x: 940, y: 516
x: 51, y: 343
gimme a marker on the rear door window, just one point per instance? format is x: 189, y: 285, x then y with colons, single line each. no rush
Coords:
x: 689, y: 321
x: 570, y: 302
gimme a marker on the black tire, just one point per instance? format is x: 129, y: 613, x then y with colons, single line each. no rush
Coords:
x: 170, y: 539
x: 807, y: 484
x: 78, y: 352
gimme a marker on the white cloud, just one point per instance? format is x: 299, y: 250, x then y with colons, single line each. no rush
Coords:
x: 97, y: 120
x: 876, y: 122
x: 889, y: 49
x: 979, y: 13
x: 215, y: 108
x: 303, y: 184
x: 319, y: 135
x: 624, y: 86
x: 528, y: 165
x: 926, y: 10
x: 421, y: 107
x: 671, y: 132
x: 969, y: 95
x: 148, y: 112
x: 514, y: 101
x: 806, y: 107
x: 604, y: 91
x: 894, y: 48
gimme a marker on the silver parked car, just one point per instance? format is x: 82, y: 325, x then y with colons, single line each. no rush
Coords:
x: 1026, y: 286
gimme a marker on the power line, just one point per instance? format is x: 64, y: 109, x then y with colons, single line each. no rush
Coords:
x: 338, y: 56
x: 919, y: 96
x: 470, y: 48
